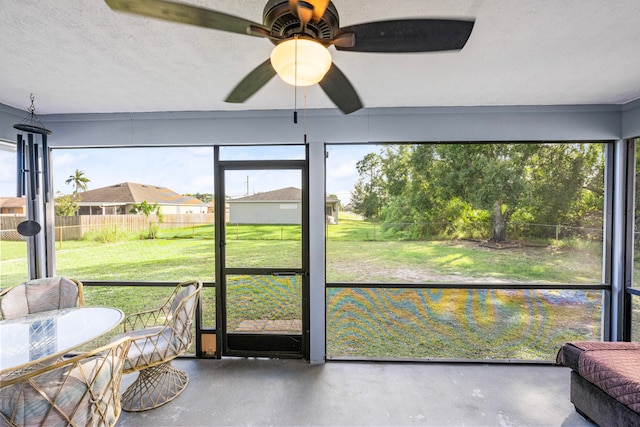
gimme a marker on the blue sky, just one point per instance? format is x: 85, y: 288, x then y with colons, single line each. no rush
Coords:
x: 186, y: 169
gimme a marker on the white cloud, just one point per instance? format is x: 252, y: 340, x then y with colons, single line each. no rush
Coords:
x: 341, y: 168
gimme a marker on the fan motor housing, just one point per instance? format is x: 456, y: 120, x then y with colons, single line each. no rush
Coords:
x: 284, y: 24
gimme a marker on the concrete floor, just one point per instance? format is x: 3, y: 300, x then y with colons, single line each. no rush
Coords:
x: 262, y: 392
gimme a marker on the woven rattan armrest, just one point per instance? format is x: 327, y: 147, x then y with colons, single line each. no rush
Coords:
x: 148, y: 318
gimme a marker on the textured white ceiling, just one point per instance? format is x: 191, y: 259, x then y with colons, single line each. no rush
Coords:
x: 80, y: 56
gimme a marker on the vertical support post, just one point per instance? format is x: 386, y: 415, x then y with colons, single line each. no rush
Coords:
x: 48, y: 210
x: 619, y: 242
x: 607, y: 241
x: 317, y: 230
x: 219, y: 211
x: 627, y: 298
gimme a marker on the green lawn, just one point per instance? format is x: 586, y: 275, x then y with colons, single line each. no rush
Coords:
x: 458, y: 261
x: 370, y: 323
x: 348, y: 260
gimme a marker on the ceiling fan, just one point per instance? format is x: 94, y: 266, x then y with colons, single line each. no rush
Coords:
x: 297, y: 27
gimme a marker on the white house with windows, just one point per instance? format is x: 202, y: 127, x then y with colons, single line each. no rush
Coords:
x: 282, y: 206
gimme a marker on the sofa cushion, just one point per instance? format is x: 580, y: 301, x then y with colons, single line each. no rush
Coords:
x: 616, y: 372
x: 569, y: 353
x: 614, y: 367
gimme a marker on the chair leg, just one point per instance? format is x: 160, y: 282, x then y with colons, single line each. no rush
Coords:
x: 154, y: 387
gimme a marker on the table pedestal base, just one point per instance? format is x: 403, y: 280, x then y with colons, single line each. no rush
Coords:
x: 154, y: 387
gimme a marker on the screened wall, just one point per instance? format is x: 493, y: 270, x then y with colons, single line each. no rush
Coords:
x: 466, y: 251
x: 419, y: 278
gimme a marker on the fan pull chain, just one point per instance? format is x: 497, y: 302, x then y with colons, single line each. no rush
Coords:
x: 295, y: 86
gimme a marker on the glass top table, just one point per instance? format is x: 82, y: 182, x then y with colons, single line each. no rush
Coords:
x: 51, y: 334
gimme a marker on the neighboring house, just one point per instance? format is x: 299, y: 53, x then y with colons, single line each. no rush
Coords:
x: 332, y: 205
x: 13, y: 206
x: 118, y: 199
x: 281, y: 206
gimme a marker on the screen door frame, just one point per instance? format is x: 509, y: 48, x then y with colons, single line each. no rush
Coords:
x: 263, y: 344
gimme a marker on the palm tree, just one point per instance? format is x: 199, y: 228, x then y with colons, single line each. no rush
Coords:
x: 78, y: 180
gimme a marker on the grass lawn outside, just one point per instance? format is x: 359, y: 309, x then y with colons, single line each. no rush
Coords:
x: 458, y: 323
x: 388, y: 323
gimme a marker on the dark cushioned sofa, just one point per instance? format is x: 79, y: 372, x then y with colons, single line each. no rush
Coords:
x: 605, y: 380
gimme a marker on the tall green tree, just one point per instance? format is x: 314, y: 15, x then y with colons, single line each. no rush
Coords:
x: 488, y: 176
x: 78, y: 180
x: 442, y: 188
x: 409, y: 205
x: 565, y: 183
x: 368, y: 195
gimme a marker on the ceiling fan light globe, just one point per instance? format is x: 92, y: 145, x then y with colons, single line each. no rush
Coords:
x: 301, y: 62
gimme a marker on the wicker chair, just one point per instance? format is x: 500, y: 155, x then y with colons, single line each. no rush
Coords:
x: 35, y: 296
x: 157, y: 337
x: 81, y: 391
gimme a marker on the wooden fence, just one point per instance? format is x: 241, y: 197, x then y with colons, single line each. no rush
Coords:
x: 9, y: 227
x: 74, y: 227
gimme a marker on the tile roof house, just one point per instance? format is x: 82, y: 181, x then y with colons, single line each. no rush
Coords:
x: 118, y: 199
x: 282, y: 206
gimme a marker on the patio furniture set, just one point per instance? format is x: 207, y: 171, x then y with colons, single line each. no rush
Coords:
x: 45, y: 319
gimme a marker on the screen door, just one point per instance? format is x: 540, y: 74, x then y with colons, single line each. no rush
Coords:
x: 262, y: 269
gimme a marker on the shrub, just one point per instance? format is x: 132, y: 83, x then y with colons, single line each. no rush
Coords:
x: 152, y: 233
x: 108, y: 234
